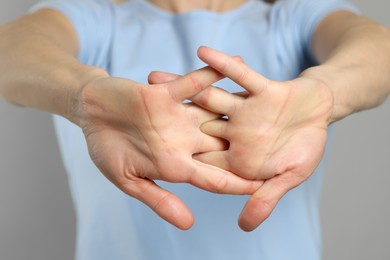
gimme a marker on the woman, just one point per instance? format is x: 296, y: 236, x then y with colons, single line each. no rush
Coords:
x: 135, y: 134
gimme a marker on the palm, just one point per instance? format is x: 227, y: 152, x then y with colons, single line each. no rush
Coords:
x: 266, y: 134
x: 277, y: 133
x: 138, y: 133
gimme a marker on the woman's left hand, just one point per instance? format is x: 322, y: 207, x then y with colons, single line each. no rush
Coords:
x: 277, y: 131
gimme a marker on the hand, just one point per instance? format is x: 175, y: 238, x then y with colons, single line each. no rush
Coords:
x: 138, y: 133
x: 277, y: 130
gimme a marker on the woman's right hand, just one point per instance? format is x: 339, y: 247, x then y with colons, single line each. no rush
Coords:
x: 138, y: 133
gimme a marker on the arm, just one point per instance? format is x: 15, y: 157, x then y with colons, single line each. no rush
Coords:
x: 354, y: 53
x: 39, y: 70
x: 38, y: 64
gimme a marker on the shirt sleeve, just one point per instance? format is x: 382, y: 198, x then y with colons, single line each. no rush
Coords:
x: 93, y: 22
x: 295, y: 22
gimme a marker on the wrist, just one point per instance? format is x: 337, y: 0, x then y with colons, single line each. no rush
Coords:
x: 327, y: 77
x: 84, y: 76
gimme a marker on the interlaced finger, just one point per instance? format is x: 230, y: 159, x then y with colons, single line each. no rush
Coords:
x: 210, y: 143
x: 158, y: 77
x: 215, y: 158
x: 218, y: 101
x: 192, y: 83
x: 214, y: 179
x: 233, y: 69
x: 216, y: 128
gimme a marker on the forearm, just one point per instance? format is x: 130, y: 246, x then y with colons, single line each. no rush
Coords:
x: 355, y: 66
x: 39, y: 72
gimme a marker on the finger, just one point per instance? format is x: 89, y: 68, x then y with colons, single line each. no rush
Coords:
x: 216, y: 128
x: 213, y: 98
x: 167, y: 205
x: 261, y: 204
x: 192, y: 83
x: 213, y: 179
x: 158, y: 77
x: 235, y: 70
x: 211, y: 143
x: 215, y: 158
x: 201, y: 114
x: 217, y: 100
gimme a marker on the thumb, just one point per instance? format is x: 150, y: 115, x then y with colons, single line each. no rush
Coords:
x: 261, y: 204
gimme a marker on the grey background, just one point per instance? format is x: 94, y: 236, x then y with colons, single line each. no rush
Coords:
x: 37, y: 219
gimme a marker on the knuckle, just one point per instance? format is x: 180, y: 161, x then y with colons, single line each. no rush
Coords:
x: 266, y: 205
x: 221, y: 185
x: 132, y: 188
x: 161, y: 202
x: 202, y: 99
x: 242, y: 77
x: 195, y: 83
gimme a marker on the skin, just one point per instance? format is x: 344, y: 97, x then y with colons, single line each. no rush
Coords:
x: 284, y: 123
x: 131, y: 149
x: 277, y: 130
x: 277, y: 133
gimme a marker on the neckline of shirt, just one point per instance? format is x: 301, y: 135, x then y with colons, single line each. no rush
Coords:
x: 195, y: 13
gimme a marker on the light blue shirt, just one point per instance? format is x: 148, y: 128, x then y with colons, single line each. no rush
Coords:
x: 130, y: 40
